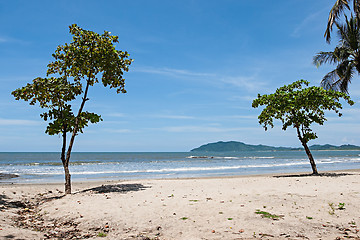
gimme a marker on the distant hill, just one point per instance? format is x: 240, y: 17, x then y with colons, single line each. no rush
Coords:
x: 234, y: 146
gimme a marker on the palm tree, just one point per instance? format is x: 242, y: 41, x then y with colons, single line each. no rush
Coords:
x: 346, y: 56
x: 337, y: 10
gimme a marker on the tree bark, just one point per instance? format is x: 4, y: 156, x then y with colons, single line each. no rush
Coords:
x: 72, y: 139
x: 308, y: 153
x: 65, y: 163
x: 67, y: 180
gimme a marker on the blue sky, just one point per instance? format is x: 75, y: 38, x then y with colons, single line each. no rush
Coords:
x: 197, y: 67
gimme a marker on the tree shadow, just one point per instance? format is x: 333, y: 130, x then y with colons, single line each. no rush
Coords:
x: 10, y: 236
x: 122, y: 188
x: 314, y: 175
x: 6, y: 202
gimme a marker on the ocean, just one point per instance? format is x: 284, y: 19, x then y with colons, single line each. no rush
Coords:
x: 47, y: 167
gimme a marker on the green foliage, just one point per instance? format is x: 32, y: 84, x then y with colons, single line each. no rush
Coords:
x: 346, y: 57
x: 88, y: 55
x: 267, y: 215
x: 341, y: 206
x: 298, y: 106
x: 83, y: 59
x: 77, y: 66
x: 101, y: 234
x: 337, y: 10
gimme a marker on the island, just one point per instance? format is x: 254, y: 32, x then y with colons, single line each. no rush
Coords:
x: 234, y: 146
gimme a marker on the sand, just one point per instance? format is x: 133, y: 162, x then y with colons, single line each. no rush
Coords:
x: 248, y: 207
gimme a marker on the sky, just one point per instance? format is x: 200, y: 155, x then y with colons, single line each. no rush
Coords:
x: 198, y: 64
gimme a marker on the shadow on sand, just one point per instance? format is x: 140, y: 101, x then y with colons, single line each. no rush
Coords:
x: 312, y: 175
x: 6, y: 202
x: 122, y: 188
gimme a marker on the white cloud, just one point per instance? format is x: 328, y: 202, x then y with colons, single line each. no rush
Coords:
x: 172, y: 72
x: 118, y: 130
x: 308, y: 21
x: 192, y: 129
x: 17, y: 122
x: 250, y: 83
x: 120, y: 115
x: 172, y: 116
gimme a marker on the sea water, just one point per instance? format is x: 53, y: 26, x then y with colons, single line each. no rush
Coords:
x: 47, y: 167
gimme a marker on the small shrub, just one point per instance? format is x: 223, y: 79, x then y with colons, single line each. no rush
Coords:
x: 341, y: 206
x: 101, y: 234
x: 267, y: 215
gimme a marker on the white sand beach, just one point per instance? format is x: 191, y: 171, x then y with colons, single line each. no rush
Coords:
x: 246, y: 207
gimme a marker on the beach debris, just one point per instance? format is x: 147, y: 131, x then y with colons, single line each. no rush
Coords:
x: 213, y: 231
x: 265, y: 235
x: 241, y: 230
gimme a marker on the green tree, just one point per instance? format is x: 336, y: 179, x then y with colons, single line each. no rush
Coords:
x: 337, y: 10
x: 88, y: 59
x: 299, y: 107
x: 346, y: 56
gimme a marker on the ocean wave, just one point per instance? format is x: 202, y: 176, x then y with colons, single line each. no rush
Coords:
x: 56, y: 163
x: 189, y: 169
x: 228, y: 158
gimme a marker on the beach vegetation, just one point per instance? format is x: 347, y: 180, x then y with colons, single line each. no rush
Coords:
x: 309, y: 217
x: 332, y: 208
x: 297, y: 105
x: 184, y: 218
x: 346, y: 57
x: 101, y: 234
x: 89, y: 59
x: 341, y: 206
x: 267, y: 214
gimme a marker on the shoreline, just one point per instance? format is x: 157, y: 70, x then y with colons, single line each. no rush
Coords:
x: 357, y: 170
x: 235, y: 207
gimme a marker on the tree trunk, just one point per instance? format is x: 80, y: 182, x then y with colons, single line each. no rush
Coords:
x: 72, y: 139
x: 312, y: 162
x: 308, y: 153
x: 65, y: 164
x: 67, y: 180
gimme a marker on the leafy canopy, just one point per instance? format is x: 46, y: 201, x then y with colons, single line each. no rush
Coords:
x: 298, y: 106
x: 88, y: 55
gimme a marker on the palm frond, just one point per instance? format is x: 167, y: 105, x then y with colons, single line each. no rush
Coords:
x: 356, y: 5
x: 329, y: 79
x: 349, y: 33
x: 335, y: 12
x: 345, y: 71
x: 325, y: 57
